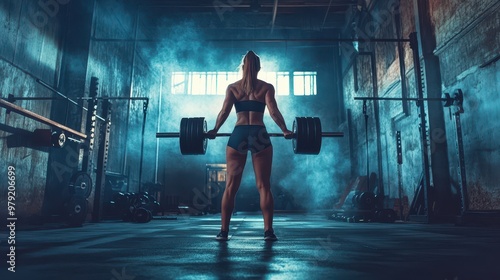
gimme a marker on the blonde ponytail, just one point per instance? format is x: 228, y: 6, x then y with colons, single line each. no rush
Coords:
x: 251, y: 66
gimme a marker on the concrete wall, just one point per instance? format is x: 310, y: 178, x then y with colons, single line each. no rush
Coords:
x: 30, y: 50
x: 466, y: 40
x: 468, y: 44
x: 65, y: 43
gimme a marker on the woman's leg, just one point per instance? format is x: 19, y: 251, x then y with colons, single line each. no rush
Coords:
x: 262, y: 163
x: 235, y: 165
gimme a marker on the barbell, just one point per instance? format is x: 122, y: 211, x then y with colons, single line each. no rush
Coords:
x: 306, y: 139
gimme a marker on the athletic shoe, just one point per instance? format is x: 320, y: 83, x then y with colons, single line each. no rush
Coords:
x: 270, y: 236
x: 222, y: 236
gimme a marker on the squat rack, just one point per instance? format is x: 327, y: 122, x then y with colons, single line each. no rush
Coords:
x: 448, y: 101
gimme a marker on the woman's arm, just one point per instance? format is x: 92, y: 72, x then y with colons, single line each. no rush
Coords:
x: 275, y: 113
x: 227, y: 106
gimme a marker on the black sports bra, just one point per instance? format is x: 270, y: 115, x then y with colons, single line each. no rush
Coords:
x: 249, y: 105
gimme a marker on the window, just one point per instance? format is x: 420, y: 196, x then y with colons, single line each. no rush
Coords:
x: 215, y: 83
x: 304, y: 83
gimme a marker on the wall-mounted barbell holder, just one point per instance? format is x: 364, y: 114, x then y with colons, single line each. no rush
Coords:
x: 448, y: 101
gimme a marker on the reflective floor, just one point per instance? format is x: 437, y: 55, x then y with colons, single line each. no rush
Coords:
x: 309, y: 247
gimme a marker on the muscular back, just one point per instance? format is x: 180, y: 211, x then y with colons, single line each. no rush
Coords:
x: 261, y: 93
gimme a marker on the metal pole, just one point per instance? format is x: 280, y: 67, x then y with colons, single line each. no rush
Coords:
x: 262, y: 40
x: 177, y: 134
x: 115, y: 98
x: 461, y: 164
x: 423, y: 124
x: 145, y: 110
x: 12, y: 99
x: 21, y: 111
x: 399, y: 149
x: 367, y: 147
x: 132, y: 72
x: 400, y: 99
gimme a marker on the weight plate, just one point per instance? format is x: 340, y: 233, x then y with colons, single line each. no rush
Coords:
x: 42, y: 137
x: 311, y: 136
x: 76, y: 210
x: 58, y: 139
x: 199, y: 136
x: 205, y: 139
x: 81, y: 183
x: 366, y: 201
x: 192, y: 143
x: 183, y: 136
x: 299, y: 135
x: 142, y: 215
x: 319, y: 135
x: 294, y: 139
x: 297, y: 140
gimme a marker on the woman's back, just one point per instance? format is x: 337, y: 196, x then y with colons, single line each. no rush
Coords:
x: 250, y: 117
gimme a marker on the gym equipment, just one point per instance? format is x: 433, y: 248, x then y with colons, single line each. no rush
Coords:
x: 76, y: 210
x: 366, y: 201
x: 102, y: 160
x: 447, y: 99
x: 385, y: 216
x: 306, y: 139
x: 49, y: 138
x: 21, y: 111
x: 81, y: 183
x: 142, y: 215
x: 135, y: 207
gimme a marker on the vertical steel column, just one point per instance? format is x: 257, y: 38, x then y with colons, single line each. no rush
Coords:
x: 90, y: 125
x: 402, y: 66
x: 144, y: 112
x: 131, y: 91
x: 102, y: 159
x: 399, y: 149
x: 423, y: 123
x: 461, y: 164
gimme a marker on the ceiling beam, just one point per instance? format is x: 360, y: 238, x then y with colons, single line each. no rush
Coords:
x: 275, y: 10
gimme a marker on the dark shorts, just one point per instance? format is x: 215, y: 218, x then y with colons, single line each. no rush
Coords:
x: 253, y: 138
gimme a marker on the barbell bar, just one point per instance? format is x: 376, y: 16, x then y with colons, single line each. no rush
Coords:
x: 177, y: 134
x: 306, y: 138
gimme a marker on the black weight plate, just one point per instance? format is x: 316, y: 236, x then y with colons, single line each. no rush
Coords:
x: 319, y: 135
x: 205, y: 139
x: 76, y: 210
x: 304, y: 135
x: 191, y: 143
x: 311, y: 136
x: 300, y: 135
x: 183, y: 136
x: 297, y: 141
x: 82, y: 184
x: 42, y: 137
x: 194, y: 143
x: 366, y: 201
x: 58, y: 139
x: 198, y: 136
x: 142, y: 215
x: 294, y: 139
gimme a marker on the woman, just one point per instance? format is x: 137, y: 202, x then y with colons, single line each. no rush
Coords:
x: 249, y: 97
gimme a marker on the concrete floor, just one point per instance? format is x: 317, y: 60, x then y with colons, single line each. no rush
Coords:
x: 309, y: 247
